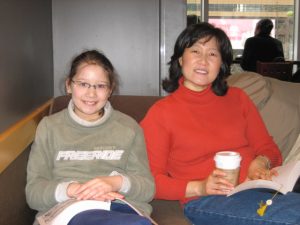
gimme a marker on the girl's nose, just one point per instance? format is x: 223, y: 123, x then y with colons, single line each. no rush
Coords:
x: 91, y: 91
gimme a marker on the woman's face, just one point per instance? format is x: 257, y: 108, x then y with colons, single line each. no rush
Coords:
x: 200, y: 64
x: 90, y: 89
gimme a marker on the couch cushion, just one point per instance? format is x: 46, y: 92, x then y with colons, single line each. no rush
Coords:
x: 255, y: 85
x: 134, y: 106
x: 278, y: 103
x: 282, y: 114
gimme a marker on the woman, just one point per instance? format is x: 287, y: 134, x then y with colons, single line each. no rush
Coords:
x: 90, y: 151
x: 201, y: 117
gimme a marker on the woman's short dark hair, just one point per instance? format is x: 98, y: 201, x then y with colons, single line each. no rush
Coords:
x: 186, y: 39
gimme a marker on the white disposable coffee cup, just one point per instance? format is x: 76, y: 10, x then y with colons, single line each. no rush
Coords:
x: 229, y: 162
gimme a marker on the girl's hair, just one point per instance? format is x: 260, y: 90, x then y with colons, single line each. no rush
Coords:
x: 186, y: 39
x: 96, y: 58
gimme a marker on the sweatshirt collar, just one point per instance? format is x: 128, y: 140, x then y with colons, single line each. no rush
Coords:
x: 106, y: 114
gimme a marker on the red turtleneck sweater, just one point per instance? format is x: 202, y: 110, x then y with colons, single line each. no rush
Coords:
x: 184, y: 130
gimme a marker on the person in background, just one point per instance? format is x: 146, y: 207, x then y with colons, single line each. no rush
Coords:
x: 261, y: 47
x: 192, y: 19
x: 201, y: 117
x: 90, y: 151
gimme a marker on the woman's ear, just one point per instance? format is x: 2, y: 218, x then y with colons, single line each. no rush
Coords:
x: 180, y: 61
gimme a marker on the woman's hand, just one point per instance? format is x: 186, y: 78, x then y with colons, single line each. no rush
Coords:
x: 100, y: 188
x: 215, y: 184
x: 260, y: 169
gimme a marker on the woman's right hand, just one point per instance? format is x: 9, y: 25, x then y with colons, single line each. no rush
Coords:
x: 215, y: 184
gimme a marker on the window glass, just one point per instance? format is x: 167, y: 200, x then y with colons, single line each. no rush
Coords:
x: 193, y: 11
x: 238, y: 20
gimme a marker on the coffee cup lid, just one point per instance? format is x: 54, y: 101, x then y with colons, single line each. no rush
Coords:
x: 227, y: 160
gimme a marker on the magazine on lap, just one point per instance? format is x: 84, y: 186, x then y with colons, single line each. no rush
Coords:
x: 63, y: 212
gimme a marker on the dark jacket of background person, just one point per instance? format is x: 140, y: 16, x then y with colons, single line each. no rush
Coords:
x: 261, y: 47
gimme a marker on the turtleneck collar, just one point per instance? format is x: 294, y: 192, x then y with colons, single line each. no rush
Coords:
x: 189, y: 96
x: 107, y: 111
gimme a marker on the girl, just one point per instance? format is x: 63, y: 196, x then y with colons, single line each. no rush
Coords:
x: 90, y: 151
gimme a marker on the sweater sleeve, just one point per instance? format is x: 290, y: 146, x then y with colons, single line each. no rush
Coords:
x: 258, y: 135
x: 142, y: 185
x: 158, y: 146
x: 40, y: 187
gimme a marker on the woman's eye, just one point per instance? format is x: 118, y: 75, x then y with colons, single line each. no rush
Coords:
x: 213, y: 54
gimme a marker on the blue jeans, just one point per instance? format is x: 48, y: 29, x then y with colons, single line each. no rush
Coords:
x: 120, y: 214
x: 240, y: 209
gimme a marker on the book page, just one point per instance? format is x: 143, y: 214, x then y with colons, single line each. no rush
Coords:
x: 288, y: 175
x: 284, y: 182
x: 294, y: 153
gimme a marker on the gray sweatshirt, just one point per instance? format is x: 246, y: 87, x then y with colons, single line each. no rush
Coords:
x: 67, y: 149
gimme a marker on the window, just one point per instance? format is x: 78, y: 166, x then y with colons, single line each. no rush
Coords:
x: 238, y: 19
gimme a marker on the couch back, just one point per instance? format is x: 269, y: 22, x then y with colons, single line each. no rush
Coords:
x: 134, y: 106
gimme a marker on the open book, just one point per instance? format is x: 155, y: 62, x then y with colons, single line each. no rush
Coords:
x: 285, y: 181
x: 63, y: 212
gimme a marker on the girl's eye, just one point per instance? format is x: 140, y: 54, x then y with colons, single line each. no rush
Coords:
x: 101, y: 86
x: 85, y: 85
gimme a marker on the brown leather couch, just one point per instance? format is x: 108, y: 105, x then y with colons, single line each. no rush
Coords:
x: 13, y: 207
x: 277, y: 101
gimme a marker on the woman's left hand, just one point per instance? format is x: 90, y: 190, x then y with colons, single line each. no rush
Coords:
x: 259, y: 169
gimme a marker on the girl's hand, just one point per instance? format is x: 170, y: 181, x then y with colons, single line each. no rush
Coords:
x: 98, y: 188
x: 72, y: 188
x: 109, y: 196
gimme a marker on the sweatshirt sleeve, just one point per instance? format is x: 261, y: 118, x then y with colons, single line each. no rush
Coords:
x: 138, y: 172
x: 40, y: 187
x: 158, y: 146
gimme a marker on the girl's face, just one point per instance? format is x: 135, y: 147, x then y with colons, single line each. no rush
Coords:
x: 200, y: 64
x: 90, y: 89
